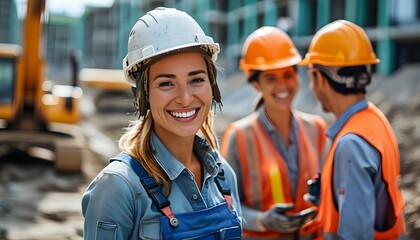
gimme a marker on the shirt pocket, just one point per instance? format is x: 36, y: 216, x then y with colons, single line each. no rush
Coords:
x: 106, y: 231
x: 150, y: 229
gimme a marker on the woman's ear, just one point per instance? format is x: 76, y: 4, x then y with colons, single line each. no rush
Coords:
x: 255, y: 84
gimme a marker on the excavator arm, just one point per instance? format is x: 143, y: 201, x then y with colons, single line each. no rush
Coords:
x: 32, y: 59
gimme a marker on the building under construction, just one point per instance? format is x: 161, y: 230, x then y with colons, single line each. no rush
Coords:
x: 393, y: 26
x: 101, y: 33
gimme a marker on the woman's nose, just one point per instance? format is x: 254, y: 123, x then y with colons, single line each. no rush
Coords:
x: 184, y: 96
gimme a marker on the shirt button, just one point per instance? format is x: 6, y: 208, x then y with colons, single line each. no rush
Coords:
x: 194, y: 196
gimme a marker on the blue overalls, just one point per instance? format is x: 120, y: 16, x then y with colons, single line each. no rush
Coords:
x: 217, y: 222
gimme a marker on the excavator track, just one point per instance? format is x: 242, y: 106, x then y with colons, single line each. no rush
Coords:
x: 62, y: 143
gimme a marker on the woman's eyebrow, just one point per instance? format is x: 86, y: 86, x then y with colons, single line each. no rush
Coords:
x: 196, y: 72
x: 164, y: 75
x: 169, y: 75
x: 268, y: 75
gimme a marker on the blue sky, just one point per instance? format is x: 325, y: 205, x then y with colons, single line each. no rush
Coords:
x: 74, y: 7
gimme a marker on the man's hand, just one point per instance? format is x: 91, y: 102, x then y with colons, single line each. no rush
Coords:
x: 275, y: 219
x: 305, y: 215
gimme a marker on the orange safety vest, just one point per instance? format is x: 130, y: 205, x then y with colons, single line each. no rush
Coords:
x: 264, y: 171
x: 371, y: 125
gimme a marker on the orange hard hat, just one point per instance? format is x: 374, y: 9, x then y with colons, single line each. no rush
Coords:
x: 340, y: 43
x: 268, y: 48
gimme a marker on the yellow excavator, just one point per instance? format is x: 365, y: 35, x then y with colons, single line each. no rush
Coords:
x: 112, y: 91
x: 37, y: 118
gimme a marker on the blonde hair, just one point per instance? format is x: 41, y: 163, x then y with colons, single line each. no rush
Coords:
x: 136, y: 143
x: 136, y: 140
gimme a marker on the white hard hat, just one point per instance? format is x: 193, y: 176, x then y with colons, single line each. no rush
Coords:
x: 163, y: 30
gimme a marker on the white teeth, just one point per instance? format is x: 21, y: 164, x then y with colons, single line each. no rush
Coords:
x: 282, y: 95
x: 183, y: 114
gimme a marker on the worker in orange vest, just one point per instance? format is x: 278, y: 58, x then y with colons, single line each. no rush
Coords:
x: 276, y: 149
x: 359, y: 198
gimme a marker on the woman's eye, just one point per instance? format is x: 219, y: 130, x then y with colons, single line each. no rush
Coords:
x: 198, y: 80
x: 289, y: 75
x: 271, y: 79
x: 165, y: 84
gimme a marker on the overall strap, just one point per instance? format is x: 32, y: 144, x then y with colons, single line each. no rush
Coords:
x: 223, y: 187
x: 153, y: 189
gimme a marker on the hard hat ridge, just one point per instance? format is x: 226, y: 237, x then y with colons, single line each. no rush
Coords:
x: 160, y: 31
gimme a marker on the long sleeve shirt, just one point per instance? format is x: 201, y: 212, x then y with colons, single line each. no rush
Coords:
x: 116, y: 205
x: 359, y: 191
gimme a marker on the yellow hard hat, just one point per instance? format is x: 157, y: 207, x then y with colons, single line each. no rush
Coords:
x: 268, y: 48
x: 340, y: 43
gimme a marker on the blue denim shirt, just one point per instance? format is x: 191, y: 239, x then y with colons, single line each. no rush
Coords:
x: 116, y: 206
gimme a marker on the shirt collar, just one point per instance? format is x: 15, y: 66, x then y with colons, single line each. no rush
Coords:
x: 265, y: 121
x: 268, y: 125
x: 344, y: 117
x: 173, y: 167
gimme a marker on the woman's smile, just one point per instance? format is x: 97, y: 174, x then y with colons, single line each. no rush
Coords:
x: 184, y: 115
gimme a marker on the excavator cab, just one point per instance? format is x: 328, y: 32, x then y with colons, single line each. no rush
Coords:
x: 37, y: 117
x: 9, y: 68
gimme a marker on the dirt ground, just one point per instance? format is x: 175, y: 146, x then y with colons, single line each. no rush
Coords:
x: 407, y: 130
x: 36, y: 202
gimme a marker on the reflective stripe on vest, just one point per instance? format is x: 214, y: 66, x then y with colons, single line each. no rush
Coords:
x: 371, y: 125
x: 265, y: 174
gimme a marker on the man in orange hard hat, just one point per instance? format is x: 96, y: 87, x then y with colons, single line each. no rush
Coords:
x: 359, y: 197
x: 276, y: 149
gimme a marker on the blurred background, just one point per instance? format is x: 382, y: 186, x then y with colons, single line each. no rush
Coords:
x: 99, y: 29
x: 39, y: 202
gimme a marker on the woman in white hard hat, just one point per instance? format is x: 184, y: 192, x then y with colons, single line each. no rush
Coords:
x: 169, y: 181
